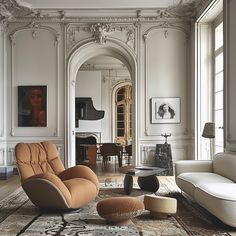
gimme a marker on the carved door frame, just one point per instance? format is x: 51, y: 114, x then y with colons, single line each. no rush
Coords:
x: 78, y: 56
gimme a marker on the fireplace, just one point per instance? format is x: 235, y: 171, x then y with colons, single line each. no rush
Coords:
x: 82, y: 139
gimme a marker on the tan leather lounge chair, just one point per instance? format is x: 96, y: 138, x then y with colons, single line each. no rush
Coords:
x: 48, y: 184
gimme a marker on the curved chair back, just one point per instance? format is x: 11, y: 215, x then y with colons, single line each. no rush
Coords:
x: 37, y: 158
x: 111, y: 149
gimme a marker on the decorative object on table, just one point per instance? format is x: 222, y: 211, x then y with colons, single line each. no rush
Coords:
x: 165, y: 110
x: 120, y: 210
x: 159, y: 206
x: 164, y: 156
x: 209, y: 132
x: 32, y: 106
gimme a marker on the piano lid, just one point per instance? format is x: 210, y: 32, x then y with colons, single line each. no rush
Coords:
x: 84, y: 109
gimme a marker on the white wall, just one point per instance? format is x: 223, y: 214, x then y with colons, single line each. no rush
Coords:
x: 88, y: 84
x: 34, y: 57
x: 161, y: 53
x: 167, y: 75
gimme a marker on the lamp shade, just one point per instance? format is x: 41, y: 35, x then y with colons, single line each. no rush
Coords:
x: 209, y: 130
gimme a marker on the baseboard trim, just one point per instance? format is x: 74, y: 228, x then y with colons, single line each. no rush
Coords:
x: 6, y: 173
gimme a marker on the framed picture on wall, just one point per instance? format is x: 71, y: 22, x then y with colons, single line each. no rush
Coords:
x: 32, y: 106
x: 165, y: 110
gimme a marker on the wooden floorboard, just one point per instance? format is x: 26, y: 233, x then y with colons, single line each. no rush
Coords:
x: 8, y: 186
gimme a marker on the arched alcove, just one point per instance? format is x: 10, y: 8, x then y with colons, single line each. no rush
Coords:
x: 82, y: 53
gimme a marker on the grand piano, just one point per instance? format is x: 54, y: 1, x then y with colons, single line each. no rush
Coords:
x: 84, y: 110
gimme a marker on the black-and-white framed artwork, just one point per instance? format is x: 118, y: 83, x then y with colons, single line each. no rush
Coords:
x: 165, y: 110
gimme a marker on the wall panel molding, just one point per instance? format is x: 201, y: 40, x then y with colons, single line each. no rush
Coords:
x: 52, y: 130
x: 179, y: 152
x: 2, y: 83
x: 165, y: 29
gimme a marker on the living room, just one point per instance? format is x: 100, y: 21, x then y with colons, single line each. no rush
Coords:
x: 169, y: 52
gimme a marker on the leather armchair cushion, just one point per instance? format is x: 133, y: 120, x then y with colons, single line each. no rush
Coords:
x: 32, y: 159
x: 80, y: 172
x: 82, y: 191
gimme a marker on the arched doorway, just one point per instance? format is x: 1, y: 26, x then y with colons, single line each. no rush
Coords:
x: 81, y: 54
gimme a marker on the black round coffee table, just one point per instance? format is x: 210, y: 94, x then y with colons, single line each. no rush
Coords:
x: 147, y: 179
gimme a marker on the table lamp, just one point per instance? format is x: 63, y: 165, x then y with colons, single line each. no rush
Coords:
x: 209, y: 132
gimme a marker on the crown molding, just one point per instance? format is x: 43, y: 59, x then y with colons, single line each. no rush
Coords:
x: 184, y: 10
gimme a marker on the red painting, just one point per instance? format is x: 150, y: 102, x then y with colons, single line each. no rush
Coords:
x: 32, y: 109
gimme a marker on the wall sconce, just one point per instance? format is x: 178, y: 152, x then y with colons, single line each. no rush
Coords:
x: 209, y: 132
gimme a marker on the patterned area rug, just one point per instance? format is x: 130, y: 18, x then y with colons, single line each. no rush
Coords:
x: 18, y: 216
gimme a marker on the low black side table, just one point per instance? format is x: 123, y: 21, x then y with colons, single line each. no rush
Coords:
x: 147, y: 179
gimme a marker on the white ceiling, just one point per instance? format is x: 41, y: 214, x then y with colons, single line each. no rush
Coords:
x: 101, y: 4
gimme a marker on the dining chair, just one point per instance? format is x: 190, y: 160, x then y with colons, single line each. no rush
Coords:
x: 109, y: 150
x: 128, y: 150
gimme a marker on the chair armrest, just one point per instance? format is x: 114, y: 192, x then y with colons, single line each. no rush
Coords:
x: 47, y: 190
x: 193, y: 166
x: 80, y: 171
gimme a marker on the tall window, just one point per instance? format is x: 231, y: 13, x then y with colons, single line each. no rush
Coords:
x: 209, y: 83
x: 124, y: 114
x: 219, y: 86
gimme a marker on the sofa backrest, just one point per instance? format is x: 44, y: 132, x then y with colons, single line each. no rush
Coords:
x: 225, y: 164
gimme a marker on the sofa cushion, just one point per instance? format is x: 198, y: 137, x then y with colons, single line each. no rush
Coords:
x: 222, y: 191
x: 224, y: 164
x: 219, y: 199
x: 189, y: 181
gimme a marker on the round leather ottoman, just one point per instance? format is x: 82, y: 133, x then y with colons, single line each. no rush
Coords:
x: 120, y: 210
x: 160, y: 206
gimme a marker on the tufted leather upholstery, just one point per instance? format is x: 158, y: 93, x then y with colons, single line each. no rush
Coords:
x: 47, y: 183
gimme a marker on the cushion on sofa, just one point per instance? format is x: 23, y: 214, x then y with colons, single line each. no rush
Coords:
x: 219, y: 199
x: 189, y: 181
x: 222, y: 191
x: 224, y: 164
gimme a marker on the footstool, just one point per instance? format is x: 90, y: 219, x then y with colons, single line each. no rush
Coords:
x: 159, y: 206
x: 120, y: 210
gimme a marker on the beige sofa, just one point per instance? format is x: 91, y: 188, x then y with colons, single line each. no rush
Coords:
x: 211, y: 184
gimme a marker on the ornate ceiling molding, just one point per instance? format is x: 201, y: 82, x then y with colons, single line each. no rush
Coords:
x: 11, y: 9
x: 182, y: 9
x: 100, y: 32
x: 187, y: 8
